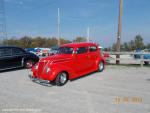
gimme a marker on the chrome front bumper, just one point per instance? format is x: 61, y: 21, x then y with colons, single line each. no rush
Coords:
x: 37, y: 80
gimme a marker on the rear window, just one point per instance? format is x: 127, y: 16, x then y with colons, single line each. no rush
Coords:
x: 65, y: 50
x: 17, y: 51
x: 82, y: 50
x: 92, y: 48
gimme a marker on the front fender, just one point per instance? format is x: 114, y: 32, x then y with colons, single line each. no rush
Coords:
x: 57, y: 68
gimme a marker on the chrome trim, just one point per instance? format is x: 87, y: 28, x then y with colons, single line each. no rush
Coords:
x: 10, y: 68
x: 45, y: 65
x: 22, y: 62
x: 12, y: 56
x: 37, y: 80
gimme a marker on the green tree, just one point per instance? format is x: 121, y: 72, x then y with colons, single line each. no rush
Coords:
x: 29, y: 42
x: 148, y: 46
x: 63, y: 41
x: 24, y: 42
x: 139, y: 42
x: 114, y: 46
x: 80, y: 39
x: 132, y: 45
x: 126, y: 46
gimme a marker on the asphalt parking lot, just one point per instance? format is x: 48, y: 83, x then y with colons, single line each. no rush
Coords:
x: 116, y: 90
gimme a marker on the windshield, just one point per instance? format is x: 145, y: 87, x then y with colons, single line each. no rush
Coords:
x: 65, y: 50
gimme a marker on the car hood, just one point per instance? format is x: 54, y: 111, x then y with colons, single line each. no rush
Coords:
x: 56, y: 58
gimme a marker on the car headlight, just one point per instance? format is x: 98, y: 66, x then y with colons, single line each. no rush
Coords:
x: 48, y: 69
x: 36, y: 67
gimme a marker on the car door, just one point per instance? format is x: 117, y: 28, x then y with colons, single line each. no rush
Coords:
x: 81, y: 60
x: 1, y: 59
x: 93, y: 55
x: 18, y: 55
x: 5, y: 58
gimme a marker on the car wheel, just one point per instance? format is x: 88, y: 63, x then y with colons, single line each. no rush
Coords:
x: 101, y: 66
x: 28, y: 64
x: 61, y: 79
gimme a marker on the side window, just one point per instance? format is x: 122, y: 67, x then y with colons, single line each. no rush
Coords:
x: 17, y: 51
x: 6, y: 52
x: 82, y: 50
x: 92, y: 48
x: 1, y: 53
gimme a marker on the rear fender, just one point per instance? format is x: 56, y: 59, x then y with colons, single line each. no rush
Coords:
x: 99, y: 60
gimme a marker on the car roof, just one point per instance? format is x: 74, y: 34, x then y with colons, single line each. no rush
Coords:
x: 80, y: 44
x: 5, y: 46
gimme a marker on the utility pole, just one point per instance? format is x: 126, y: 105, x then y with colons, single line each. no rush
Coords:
x: 88, y: 34
x: 118, y: 44
x: 58, y: 27
x: 3, y: 34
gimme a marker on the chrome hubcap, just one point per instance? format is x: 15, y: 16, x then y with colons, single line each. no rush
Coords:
x: 63, y: 78
x: 101, y: 66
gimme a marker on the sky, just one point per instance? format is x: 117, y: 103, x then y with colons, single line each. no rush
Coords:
x: 39, y: 18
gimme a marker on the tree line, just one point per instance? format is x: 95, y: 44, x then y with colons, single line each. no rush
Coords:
x: 32, y: 42
x: 137, y: 43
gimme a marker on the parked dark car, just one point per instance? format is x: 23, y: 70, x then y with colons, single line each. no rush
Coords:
x: 15, y: 57
x: 36, y: 51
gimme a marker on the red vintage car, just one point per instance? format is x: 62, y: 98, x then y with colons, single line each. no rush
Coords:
x: 72, y: 60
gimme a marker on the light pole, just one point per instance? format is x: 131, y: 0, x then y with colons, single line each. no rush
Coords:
x: 58, y: 27
x: 118, y: 44
x: 88, y: 34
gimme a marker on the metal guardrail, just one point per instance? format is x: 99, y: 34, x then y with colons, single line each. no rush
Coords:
x: 128, y: 53
x: 142, y: 60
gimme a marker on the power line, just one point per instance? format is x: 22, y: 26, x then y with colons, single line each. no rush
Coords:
x: 88, y: 34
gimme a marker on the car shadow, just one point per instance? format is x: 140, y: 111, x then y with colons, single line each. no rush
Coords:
x: 36, y: 81
x: 11, y: 70
x: 83, y: 76
x: 52, y: 84
x: 148, y: 79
